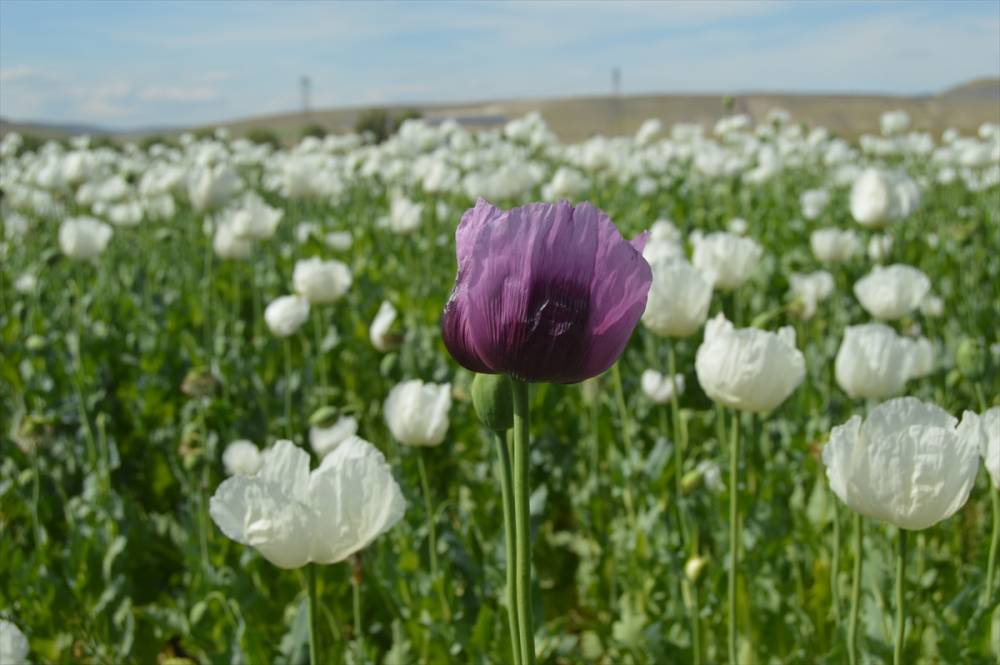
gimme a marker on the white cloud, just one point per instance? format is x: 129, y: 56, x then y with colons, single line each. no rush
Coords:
x: 178, y: 93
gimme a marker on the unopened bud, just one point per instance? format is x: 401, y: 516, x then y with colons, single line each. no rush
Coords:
x: 694, y: 567
x: 494, y: 401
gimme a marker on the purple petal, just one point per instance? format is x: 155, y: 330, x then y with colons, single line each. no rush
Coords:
x: 618, y: 293
x: 458, y: 338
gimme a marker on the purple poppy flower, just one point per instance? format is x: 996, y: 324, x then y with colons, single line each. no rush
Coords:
x: 544, y: 292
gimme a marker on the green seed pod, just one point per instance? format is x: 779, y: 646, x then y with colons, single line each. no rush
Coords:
x: 970, y: 358
x: 325, y: 416
x: 493, y: 401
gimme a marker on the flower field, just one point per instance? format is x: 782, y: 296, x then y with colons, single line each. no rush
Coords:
x: 759, y: 433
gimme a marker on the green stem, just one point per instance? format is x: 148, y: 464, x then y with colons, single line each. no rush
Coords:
x: 313, y: 609
x: 507, y: 495
x: 288, y: 387
x: 320, y: 360
x: 852, y: 624
x: 522, y: 526
x: 897, y: 656
x: 627, y: 439
x: 994, y: 545
x: 432, y: 537
x: 835, y: 563
x: 356, y: 597
x: 680, y: 443
x: 734, y: 534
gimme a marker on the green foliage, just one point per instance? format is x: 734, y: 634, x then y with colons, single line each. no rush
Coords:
x: 263, y: 136
x: 313, y: 129
x: 123, y: 379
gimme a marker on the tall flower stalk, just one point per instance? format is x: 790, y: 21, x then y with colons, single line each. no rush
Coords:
x: 544, y: 293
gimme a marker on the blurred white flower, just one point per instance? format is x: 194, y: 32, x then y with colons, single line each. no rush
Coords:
x: 748, y: 369
x: 129, y: 213
x: 990, y: 448
x: 909, y: 463
x: 894, y: 122
x: 338, y: 240
x: 83, y: 237
x: 813, y: 202
x: 321, y: 282
x: 872, y: 362
x: 834, y: 245
x: 241, y: 458
x: 648, y: 131
x: 228, y: 245
x: 664, y: 241
x: 380, y: 333
x: 417, y: 412
x: 711, y: 475
x: 893, y: 292
x: 879, y: 198
x: 285, y: 315
x: 405, y: 215
x: 678, y: 300
x: 13, y: 644
x: 324, y: 440
x: 932, y: 306
x: 727, y: 259
x: 294, y: 517
x: 879, y: 248
x: 25, y: 283
x: 15, y: 225
x: 253, y: 219
x: 211, y: 187
x: 922, y: 357
x: 810, y: 289
x: 737, y: 226
x: 659, y: 388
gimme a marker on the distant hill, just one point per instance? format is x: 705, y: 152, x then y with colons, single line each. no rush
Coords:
x: 965, y: 107
x: 984, y: 88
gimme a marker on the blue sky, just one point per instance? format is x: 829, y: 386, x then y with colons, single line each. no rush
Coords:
x: 145, y: 63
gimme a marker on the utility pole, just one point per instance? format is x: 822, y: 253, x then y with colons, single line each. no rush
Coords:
x: 616, y: 101
x: 305, y: 84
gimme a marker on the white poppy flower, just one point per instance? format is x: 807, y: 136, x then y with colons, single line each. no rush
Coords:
x: 834, y: 245
x: 872, y: 362
x: 380, y: 332
x: 285, y: 315
x: 892, y: 292
x: 659, y: 388
x: 321, y: 282
x: 417, y: 412
x: 324, y: 440
x: 748, y: 369
x: 241, y: 458
x: 729, y: 260
x: 910, y: 463
x: 83, y: 238
x: 13, y: 644
x: 991, y: 444
x: 294, y: 517
x: 678, y: 300
x: 810, y: 289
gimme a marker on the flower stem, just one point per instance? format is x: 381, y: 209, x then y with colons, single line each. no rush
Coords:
x: 522, y: 526
x: 897, y: 656
x: 679, y: 444
x: 432, y: 538
x: 734, y: 534
x: 994, y: 546
x: 835, y: 564
x: 320, y: 360
x: 288, y: 388
x: 627, y: 439
x: 356, y: 574
x: 313, y: 611
x: 852, y: 623
x: 507, y: 495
